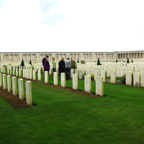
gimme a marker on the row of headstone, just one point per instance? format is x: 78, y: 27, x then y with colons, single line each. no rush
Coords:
x: 5, y: 82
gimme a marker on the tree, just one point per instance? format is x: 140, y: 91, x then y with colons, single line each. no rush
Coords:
x: 22, y: 63
x: 116, y: 60
x: 30, y: 62
x: 98, y: 62
x: 127, y: 60
x: 132, y: 61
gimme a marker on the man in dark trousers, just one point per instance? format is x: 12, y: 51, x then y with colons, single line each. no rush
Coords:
x: 67, y: 69
x: 44, y: 59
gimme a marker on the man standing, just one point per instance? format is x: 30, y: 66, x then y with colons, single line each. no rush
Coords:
x: 46, y: 65
x: 67, y: 69
x: 44, y: 59
x: 54, y: 65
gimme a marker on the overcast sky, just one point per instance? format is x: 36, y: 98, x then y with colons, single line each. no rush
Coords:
x: 71, y: 25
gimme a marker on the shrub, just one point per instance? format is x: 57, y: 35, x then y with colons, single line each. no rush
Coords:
x: 132, y: 61
x: 73, y: 64
x: 116, y: 60
x: 22, y: 63
x: 30, y: 62
x: 123, y: 79
x: 98, y: 62
x: 77, y: 61
x: 82, y: 62
x: 127, y: 60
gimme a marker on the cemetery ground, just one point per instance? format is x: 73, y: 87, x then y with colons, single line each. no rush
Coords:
x: 64, y: 117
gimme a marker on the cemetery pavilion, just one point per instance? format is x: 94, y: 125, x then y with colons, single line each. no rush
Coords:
x: 121, y: 56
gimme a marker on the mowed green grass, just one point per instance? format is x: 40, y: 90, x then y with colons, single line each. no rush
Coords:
x: 68, y: 118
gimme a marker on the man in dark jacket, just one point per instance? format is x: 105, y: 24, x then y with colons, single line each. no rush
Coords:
x: 46, y: 65
x: 44, y: 59
x: 61, y: 66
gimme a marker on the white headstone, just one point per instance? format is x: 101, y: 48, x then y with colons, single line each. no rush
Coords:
x: 21, y: 89
x: 55, y: 78
x: 63, y: 79
x: 128, y: 78
x: 136, y: 79
x: 39, y: 75
x: 30, y: 72
x: 28, y: 92
x: 34, y: 75
x: 1, y: 83
x: 46, y: 76
x: 113, y: 76
x: 72, y: 71
x: 16, y: 71
x: 96, y: 74
x: 4, y: 81
x: 14, y: 86
x: 9, y: 83
x: 75, y: 81
x: 80, y: 74
x: 87, y: 80
x: 19, y: 72
x: 99, y: 86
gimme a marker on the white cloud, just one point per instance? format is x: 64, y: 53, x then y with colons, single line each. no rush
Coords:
x: 72, y: 25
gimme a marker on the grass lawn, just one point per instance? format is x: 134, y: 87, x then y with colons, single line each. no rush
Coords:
x: 68, y: 118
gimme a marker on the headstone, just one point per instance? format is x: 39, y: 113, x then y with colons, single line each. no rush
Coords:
x: 99, y: 86
x: 34, y: 75
x: 1, y: 82
x: 142, y: 79
x: 9, y: 83
x: 108, y: 72
x: 16, y: 72
x: 4, y: 81
x: 46, y: 76
x: 96, y: 74
x: 72, y: 71
x: 28, y: 92
x: 13, y: 71
x: 30, y: 73
x: 14, y: 86
x: 87, y: 80
x: 63, y: 79
x: 136, y: 79
x: 55, y: 78
x: 3, y: 69
x: 129, y: 78
x: 113, y: 76
x: 19, y: 72
x: 80, y: 74
x: 75, y: 81
x: 21, y: 89
x: 103, y: 75
x: 39, y: 75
